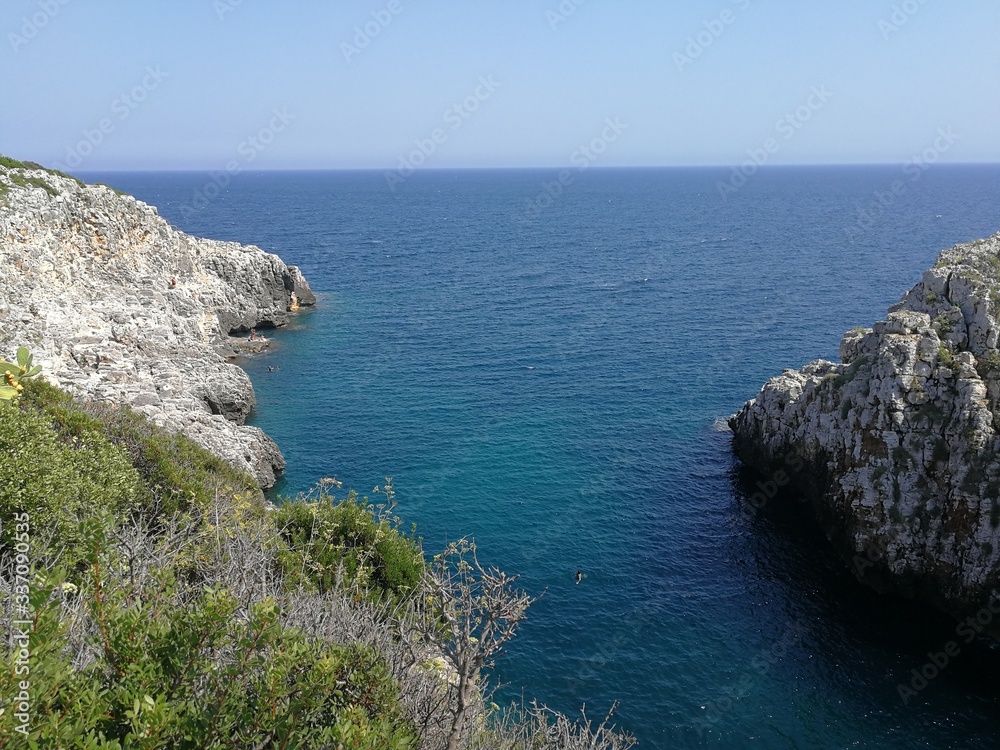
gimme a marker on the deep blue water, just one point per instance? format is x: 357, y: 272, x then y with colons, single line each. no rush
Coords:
x: 553, y: 383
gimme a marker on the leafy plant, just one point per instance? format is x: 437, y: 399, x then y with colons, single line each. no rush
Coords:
x: 991, y: 363
x: 38, y: 182
x: 850, y: 373
x: 323, y: 538
x: 943, y: 324
x: 945, y: 357
x: 58, y: 479
x: 116, y: 191
x: 175, y: 473
x: 13, y: 374
x: 195, y: 672
x: 9, y: 163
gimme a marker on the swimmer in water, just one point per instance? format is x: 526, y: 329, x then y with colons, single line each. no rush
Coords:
x: 579, y: 577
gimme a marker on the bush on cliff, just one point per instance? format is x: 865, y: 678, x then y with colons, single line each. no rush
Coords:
x: 61, y: 461
x: 154, y: 590
x: 171, y: 608
x: 326, y: 543
x: 58, y: 475
x: 9, y: 163
x: 176, y: 473
x: 169, y: 668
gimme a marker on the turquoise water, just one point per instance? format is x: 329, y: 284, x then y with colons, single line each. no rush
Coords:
x: 554, y: 383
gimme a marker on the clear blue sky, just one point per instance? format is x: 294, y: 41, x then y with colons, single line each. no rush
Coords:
x: 229, y: 65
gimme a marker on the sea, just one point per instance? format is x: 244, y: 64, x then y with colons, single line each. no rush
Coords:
x: 547, y: 367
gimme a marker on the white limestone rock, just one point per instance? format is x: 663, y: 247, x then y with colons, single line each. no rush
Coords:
x: 901, y: 441
x: 118, y: 306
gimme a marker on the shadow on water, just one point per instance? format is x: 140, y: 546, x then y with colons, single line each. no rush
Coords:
x: 843, y: 617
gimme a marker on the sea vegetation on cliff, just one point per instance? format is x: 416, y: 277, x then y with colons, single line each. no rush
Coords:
x: 150, y: 598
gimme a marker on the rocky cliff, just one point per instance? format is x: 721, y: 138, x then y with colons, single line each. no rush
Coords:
x: 898, y: 446
x: 119, y: 306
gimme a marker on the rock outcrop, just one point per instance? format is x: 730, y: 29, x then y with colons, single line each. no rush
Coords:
x: 898, y: 446
x: 118, y: 306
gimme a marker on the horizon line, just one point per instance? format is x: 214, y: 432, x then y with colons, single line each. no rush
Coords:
x: 538, y: 168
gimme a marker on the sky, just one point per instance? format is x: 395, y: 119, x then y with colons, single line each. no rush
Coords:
x: 388, y: 84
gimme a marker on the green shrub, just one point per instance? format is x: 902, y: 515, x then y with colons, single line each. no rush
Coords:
x: 176, y: 470
x: 849, y: 374
x: 176, y: 473
x: 991, y: 363
x: 197, y: 674
x: 9, y: 163
x: 59, y: 477
x: 37, y: 182
x: 945, y: 357
x: 179, y: 635
x: 168, y: 474
x: 116, y: 191
x: 61, y: 460
x: 321, y: 536
x: 943, y: 325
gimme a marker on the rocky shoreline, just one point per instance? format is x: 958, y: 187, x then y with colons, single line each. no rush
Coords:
x: 118, y: 306
x: 897, y: 448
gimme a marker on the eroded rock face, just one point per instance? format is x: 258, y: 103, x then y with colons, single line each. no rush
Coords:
x: 118, y: 306
x: 899, y: 443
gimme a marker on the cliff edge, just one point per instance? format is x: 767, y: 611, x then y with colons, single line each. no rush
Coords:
x: 899, y: 444
x: 118, y: 306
